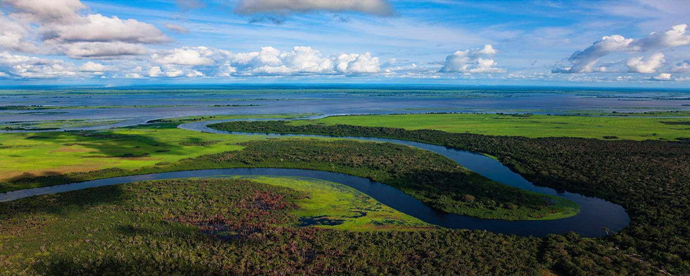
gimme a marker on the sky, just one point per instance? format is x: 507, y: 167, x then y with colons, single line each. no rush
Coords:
x: 636, y: 43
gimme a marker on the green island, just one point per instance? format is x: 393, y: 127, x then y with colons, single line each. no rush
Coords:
x: 202, y: 225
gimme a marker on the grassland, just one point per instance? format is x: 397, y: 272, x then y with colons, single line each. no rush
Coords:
x: 335, y: 206
x: 35, y: 154
x: 532, y: 126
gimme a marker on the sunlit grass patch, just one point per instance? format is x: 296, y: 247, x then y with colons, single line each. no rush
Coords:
x: 630, y: 127
x: 350, y: 209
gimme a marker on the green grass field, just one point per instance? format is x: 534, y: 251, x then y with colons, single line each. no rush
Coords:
x: 533, y: 126
x: 27, y: 154
x: 351, y: 209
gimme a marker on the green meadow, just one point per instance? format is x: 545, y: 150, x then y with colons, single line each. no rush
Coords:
x: 347, y: 208
x: 46, y: 153
x: 629, y: 127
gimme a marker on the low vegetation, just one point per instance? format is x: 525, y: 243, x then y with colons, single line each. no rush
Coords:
x: 52, y: 153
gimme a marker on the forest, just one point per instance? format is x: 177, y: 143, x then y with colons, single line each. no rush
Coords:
x: 239, y: 226
x: 648, y: 178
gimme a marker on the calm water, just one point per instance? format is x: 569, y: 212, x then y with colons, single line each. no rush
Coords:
x: 136, y: 107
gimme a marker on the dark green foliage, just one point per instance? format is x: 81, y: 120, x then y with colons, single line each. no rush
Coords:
x: 229, y: 227
x: 651, y: 179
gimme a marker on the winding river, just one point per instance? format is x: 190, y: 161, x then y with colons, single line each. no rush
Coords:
x: 595, y: 214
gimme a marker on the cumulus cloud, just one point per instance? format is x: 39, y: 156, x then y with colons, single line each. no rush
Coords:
x: 472, y: 61
x: 682, y: 67
x: 101, y: 50
x: 649, y: 65
x: 299, y: 61
x: 662, y: 77
x: 93, y: 67
x: 192, y: 56
x: 53, y: 11
x: 155, y: 72
x: 134, y: 76
x: 585, y: 61
x: 13, y: 35
x: 674, y: 37
x: 63, y: 29
x: 99, y: 28
x: 354, y: 64
x: 27, y: 67
x: 374, y: 7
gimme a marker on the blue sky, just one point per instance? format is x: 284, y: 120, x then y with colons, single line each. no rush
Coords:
x: 642, y: 43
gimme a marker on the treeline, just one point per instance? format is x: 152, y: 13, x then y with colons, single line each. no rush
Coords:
x: 651, y: 179
x: 240, y: 227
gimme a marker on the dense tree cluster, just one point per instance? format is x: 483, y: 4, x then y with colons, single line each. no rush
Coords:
x: 649, y: 178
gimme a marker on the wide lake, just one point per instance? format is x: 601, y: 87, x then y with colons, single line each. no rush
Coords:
x: 136, y: 106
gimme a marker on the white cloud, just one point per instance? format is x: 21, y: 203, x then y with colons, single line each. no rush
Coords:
x: 133, y: 76
x: 374, y: 7
x: 584, y: 61
x: 191, y: 56
x: 51, y: 11
x: 472, y: 61
x: 155, y: 72
x: 194, y: 74
x: 101, y: 50
x: 299, y: 61
x: 99, y: 28
x: 177, y: 28
x: 64, y: 30
x: 649, y: 65
x: 353, y: 64
x: 33, y: 67
x: 682, y: 67
x: 174, y: 73
x: 13, y: 35
x: 674, y: 37
x: 93, y: 67
x: 662, y: 77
